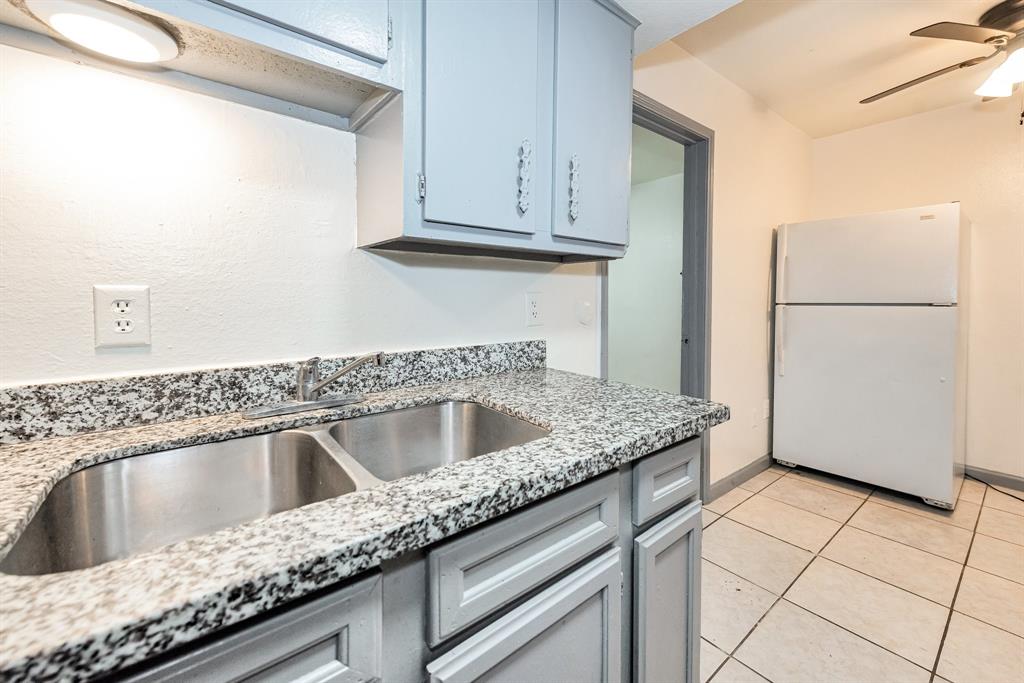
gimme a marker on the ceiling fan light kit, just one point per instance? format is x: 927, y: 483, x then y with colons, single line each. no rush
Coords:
x: 1001, y: 27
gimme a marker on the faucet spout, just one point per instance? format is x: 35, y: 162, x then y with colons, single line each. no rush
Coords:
x: 310, y: 384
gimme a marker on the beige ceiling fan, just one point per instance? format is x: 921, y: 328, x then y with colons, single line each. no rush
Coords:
x: 1002, y: 28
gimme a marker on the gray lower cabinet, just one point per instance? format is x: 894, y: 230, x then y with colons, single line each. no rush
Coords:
x: 569, y: 632
x: 665, y: 480
x: 482, y: 571
x: 334, y: 639
x: 666, y: 599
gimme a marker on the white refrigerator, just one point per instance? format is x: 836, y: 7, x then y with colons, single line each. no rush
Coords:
x: 870, y: 364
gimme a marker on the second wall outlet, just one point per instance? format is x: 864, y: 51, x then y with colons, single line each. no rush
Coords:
x: 121, y: 315
x: 534, y: 309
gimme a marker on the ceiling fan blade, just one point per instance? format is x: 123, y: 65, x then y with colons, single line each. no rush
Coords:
x: 951, y: 30
x: 928, y: 77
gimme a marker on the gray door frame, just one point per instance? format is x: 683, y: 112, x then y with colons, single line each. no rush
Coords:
x: 698, y: 162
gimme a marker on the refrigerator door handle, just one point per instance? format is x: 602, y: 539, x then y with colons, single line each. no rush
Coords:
x: 782, y: 256
x: 780, y: 340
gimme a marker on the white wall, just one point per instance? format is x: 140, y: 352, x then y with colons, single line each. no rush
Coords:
x: 973, y: 153
x: 645, y: 299
x: 761, y: 178
x: 243, y: 224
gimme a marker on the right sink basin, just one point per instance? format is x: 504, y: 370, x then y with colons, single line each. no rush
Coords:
x: 399, y: 443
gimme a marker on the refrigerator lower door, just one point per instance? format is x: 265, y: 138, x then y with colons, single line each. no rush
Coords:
x: 868, y: 392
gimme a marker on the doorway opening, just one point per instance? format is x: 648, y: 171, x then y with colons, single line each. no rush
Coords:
x: 655, y: 301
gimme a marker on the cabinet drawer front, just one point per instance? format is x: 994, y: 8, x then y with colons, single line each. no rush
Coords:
x: 666, y: 600
x: 569, y: 632
x: 333, y: 638
x: 359, y: 26
x: 664, y: 480
x: 476, y: 574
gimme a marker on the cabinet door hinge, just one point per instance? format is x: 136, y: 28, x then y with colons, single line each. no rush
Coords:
x: 421, y: 186
x: 390, y: 33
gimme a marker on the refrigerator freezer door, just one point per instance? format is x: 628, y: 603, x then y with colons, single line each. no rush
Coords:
x: 867, y: 392
x: 901, y: 257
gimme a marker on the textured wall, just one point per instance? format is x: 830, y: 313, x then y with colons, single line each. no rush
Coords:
x: 761, y: 179
x: 242, y: 222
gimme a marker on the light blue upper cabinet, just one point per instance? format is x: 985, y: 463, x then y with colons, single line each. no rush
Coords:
x: 480, y: 134
x: 498, y: 98
x: 359, y: 26
x: 593, y: 112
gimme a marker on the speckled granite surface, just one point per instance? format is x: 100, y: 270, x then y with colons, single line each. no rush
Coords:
x: 80, y: 624
x: 43, y: 411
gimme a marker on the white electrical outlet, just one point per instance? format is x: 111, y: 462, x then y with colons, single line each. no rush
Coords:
x: 121, y: 315
x: 534, y: 309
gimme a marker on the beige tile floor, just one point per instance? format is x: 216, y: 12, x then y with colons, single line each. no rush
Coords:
x: 809, y: 578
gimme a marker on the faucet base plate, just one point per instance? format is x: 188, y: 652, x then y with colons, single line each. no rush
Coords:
x: 290, y: 407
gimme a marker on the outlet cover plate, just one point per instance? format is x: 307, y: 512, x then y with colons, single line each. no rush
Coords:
x: 120, y: 315
x: 534, y: 309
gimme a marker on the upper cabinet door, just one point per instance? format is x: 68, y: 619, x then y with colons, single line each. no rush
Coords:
x: 480, y: 146
x: 593, y: 113
x: 359, y: 26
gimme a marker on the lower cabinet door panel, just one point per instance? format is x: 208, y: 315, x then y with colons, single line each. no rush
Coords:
x: 334, y: 639
x: 570, y: 632
x: 666, y: 599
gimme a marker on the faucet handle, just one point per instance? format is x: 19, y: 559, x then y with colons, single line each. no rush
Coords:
x: 309, y: 374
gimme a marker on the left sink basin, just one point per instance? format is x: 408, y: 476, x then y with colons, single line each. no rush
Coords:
x: 123, y: 507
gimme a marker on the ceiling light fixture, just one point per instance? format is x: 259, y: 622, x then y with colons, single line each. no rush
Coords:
x: 107, y: 29
x: 1001, y: 81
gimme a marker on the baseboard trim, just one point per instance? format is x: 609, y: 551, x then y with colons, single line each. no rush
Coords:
x: 733, y: 480
x: 992, y: 477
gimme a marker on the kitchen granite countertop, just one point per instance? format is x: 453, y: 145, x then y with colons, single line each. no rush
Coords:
x: 81, y: 624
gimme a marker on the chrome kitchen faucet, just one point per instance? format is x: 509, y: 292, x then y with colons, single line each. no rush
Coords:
x: 309, y: 386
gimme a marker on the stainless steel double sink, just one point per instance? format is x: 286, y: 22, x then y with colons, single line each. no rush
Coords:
x: 123, y: 507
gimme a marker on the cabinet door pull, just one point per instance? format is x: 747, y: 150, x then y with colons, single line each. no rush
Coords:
x: 574, y: 188
x: 523, y: 181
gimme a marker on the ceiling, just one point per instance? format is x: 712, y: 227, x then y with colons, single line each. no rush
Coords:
x: 661, y: 20
x: 654, y: 156
x: 812, y: 61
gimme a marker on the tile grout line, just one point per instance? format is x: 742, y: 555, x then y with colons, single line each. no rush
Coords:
x: 840, y: 626
x: 720, y: 666
x: 854, y: 569
x: 907, y: 545
x: 774, y: 538
x: 996, y: 538
x: 780, y: 597
x: 923, y: 513
x: 782, y: 502
x: 882, y: 581
x: 988, y: 573
x: 952, y: 605
x: 793, y: 473
x: 779, y: 500
x: 843, y: 524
